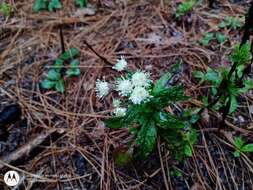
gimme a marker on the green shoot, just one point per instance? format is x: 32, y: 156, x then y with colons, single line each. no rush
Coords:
x: 231, y: 22
x: 206, y: 39
x: 184, y: 8
x: 49, y: 5
x: 241, y: 147
x: 81, y: 3
x: 230, y: 90
x: 54, y: 77
x: 5, y: 9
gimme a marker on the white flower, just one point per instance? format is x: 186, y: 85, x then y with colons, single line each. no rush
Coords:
x: 124, y: 87
x: 121, y: 64
x: 141, y: 79
x: 116, y: 103
x: 120, y: 112
x: 102, y: 88
x: 139, y: 95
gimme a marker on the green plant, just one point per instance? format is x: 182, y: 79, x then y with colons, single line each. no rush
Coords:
x: 231, y: 22
x: 206, y: 39
x: 146, y: 117
x: 184, y: 8
x: 81, y: 3
x: 5, y: 8
x: 54, y: 77
x: 228, y: 85
x: 49, y: 5
x: 241, y: 147
x: 176, y: 173
x: 221, y: 38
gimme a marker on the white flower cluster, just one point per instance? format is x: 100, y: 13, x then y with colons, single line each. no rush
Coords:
x: 136, y: 87
x: 124, y: 87
x: 120, y: 65
x: 102, y: 88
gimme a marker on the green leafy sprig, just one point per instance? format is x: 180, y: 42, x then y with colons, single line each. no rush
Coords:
x: 149, y: 120
x: 49, y: 5
x: 242, y: 147
x: 5, y: 9
x: 225, y: 84
x: 54, y: 77
x: 184, y: 8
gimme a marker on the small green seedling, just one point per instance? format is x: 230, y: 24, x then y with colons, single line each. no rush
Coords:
x: 230, y: 89
x: 54, y: 77
x: 184, y: 8
x: 54, y: 80
x: 241, y: 147
x: 221, y: 38
x: 5, y: 9
x: 49, y: 5
x: 176, y: 173
x: 206, y: 39
x: 74, y: 68
x: 81, y: 3
x: 231, y: 22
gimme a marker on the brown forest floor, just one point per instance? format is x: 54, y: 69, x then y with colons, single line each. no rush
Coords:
x: 148, y: 35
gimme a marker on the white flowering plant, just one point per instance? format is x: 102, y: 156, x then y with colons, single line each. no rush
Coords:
x: 142, y: 110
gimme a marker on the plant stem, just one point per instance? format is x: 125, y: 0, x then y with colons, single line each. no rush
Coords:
x: 97, y: 54
x: 62, y: 40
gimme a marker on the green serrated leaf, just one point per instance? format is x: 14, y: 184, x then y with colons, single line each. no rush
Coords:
x: 58, y: 65
x: 54, y: 4
x: 221, y: 38
x: 40, y: 5
x: 192, y: 136
x: 247, y: 148
x: 161, y: 83
x: 206, y: 39
x: 53, y: 75
x: 187, y: 150
x: 73, y: 70
x: 198, y: 74
x: 239, y: 70
x: 242, y: 55
x: 47, y: 84
x: 236, y: 154
x: 74, y: 63
x: 81, y: 3
x: 171, y: 94
x: 248, y: 85
x: 168, y: 121
x: 72, y: 52
x: 146, y: 139
x: 5, y: 8
x: 59, y: 85
x: 238, y: 142
x: 184, y: 8
x: 222, y: 24
x: 233, y: 104
x: 211, y: 75
x: 114, y: 123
